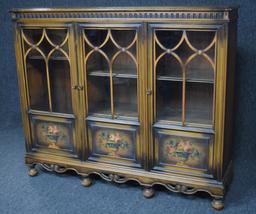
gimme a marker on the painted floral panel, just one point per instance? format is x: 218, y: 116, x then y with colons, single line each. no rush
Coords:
x: 112, y: 142
x: 53, y: 135
x: 184, y: 151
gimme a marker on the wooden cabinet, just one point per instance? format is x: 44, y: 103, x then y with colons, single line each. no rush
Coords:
x: 142, y: 94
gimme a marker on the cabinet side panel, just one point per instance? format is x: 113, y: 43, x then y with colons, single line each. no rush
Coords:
x: 230, y: 92
x: 22, y: 86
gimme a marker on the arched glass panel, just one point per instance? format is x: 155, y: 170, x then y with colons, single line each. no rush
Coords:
x: 97, y: 64
x: 124, y: 64
x: 98, y: 84
x: 125, y: 86
x: 168, y: 66
x: 168, y: 100
x: 98, y: 95
x: 199, y: 69
x: 37, y: 81
x: 199, y: 102
x: 59, y: 72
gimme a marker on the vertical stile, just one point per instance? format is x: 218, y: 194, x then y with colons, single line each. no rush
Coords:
x: 183, y: 38
x: 154, y: 76
x: 183, y: 95
x: 110, y: 64
x: 214, y: 80
x: 48, y: 85
x: 85, y: 73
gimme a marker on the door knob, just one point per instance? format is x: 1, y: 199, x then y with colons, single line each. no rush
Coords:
x: 78, y: 87
x: 149, y: 92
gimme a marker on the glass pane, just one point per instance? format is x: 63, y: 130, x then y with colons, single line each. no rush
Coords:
x: 124, y: 64
x: 125, y: 97
x: 96, y: 36
x: 199, y: 102
x: 123, y: 38
x: 37, y: 81
x: 168, y: 66
x: 199, y: 69
x: 109, y: 49
x: 98, y: 95
x: 200, y: 39
x: 57, y: 36
x: 33, y: 36
x: 168, y: 100
x: 45, y: 47
x: 59, y: 72
x: 211, y: 53
x: 184, y: 52
x: 97, y: 64
x: 169, y: 39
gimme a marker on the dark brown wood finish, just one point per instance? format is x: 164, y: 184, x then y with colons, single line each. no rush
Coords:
x: 142, y: 94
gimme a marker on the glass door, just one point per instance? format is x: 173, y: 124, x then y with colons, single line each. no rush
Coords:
x: 183, y: 83
x: 48, y: 69
x: 111, y: 67
x: 184, y: 74
x: 113, y: 74
x: 49, y: 77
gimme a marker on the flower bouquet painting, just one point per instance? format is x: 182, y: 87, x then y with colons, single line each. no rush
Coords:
x: 112, y: 143
x: 181, y: 151
x: 53, y: 134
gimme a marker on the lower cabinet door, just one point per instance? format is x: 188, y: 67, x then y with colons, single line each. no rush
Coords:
x: 114, y: 143
x: 183, y: 152
x: 53, y: 135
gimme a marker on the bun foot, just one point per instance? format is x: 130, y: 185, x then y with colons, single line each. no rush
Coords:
x: 86, y: 182
x: 217, y: 204
x: 32, y: 172
x: 148, y: 192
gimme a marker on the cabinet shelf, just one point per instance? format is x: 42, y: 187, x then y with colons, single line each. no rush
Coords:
x: 117, y: 75
x: 123, y: 110
x: 193, y: 115
x: 179, y: 79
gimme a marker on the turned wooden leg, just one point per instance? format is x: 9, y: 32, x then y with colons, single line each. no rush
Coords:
x: 148, y: 192
x: 86, y: 181
x: 217, y: 203
x: 32, y: 171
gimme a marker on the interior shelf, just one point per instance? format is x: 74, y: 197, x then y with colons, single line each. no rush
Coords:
x: 123, y: 110
x: 179, y: 79
x: 106, y: 74
x: 194, y: 115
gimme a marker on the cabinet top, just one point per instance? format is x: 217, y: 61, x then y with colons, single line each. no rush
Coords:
x: 158, y: 12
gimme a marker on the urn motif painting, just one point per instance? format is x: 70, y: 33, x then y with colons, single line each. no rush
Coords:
x: 184, y: 151
x: 53, y: 135
x: 113, y: 142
